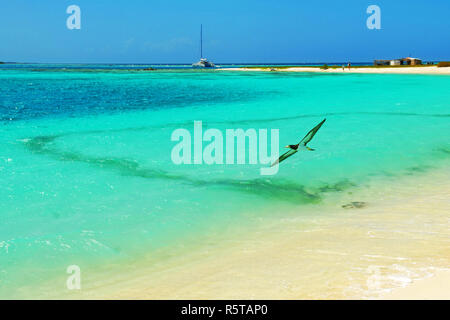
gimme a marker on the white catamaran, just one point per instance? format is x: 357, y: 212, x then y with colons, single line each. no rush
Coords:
x: 203, y: 63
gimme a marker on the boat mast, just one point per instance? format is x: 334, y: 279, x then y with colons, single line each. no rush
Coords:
x: 201, y: 41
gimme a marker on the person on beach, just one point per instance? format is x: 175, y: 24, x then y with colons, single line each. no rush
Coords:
x: 349, y: 65
x: 343, y: 67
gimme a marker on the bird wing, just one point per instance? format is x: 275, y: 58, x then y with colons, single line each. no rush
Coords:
x: 284, y: 156
x: 311, y: 133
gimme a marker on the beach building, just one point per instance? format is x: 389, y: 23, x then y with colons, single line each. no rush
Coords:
x: 411, y: 61
x: 382, y: 62
x: 399, y: 62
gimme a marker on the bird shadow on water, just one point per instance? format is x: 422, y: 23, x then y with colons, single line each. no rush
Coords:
x: 276, y: 189
x: 280, y: 189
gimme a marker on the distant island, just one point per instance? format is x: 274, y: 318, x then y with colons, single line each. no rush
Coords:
x: 380, y: 66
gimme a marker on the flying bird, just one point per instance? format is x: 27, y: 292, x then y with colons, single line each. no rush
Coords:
x: 302, y: 145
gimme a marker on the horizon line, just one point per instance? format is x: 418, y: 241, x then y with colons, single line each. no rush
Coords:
x: 190, y: 63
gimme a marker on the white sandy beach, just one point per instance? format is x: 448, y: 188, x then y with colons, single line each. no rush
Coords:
x: 399, y: 70
x: 436, y: 287
x: 397, y: 247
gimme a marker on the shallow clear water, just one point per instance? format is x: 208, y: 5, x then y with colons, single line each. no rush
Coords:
x: 87, y: 176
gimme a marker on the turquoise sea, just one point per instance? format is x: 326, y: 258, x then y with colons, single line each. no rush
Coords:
x: 87, y: 178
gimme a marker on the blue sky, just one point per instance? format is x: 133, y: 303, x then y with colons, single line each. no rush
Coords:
x: 154, y: 31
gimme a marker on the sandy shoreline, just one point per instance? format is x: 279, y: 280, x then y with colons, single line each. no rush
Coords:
x: 395, y: 248
x: 405, y: 70
x: 436, y: 287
